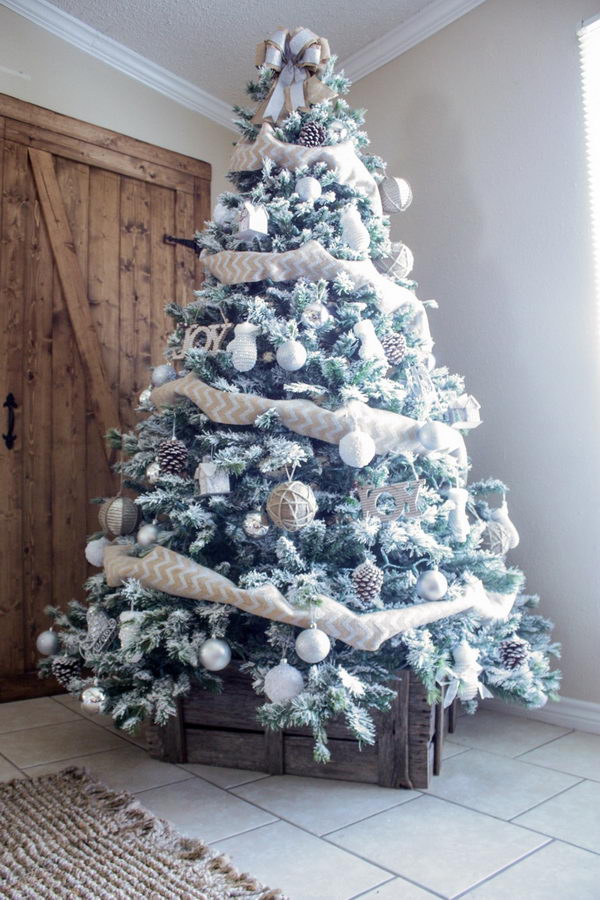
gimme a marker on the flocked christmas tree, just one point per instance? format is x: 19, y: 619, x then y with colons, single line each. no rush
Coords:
x: 301, y: 482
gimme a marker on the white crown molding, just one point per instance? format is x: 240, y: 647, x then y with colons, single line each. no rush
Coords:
x: 122, y: 58
x: 568, y: 713
x: 408, y: 34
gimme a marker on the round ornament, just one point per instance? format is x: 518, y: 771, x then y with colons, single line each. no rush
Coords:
x: 431, y: 585
x: 357, y: 448
x: 94, y: 551
x: 215, y: 654
x: 162, y: 374
x: 308, y: 188
x: 92, y: 699
x: 368, y: 581
x: 394, y: 347
x: 398, y: 263
x: 147, y: 535
x: 145, y: 401
x: 312, y: 645
x: 513, y: 652
x: 433, y: 435
x: 312, y: 134
x: 396, y: 194
x: 283, y: 683
x: 152, y: 473
x: 47, y: 643
x: 118, y: 516
x: 315, y: 314
x: 291, y: 356
x: 255, y: 524
x: 291, y: 505
x: 172, y: 456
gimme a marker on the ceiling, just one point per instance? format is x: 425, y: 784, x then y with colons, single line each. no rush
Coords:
x: 211, y: 43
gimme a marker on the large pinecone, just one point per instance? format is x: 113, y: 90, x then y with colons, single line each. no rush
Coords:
x: 312, y: 134
x: 513, y: 652
x: 64, y: 669
x: 394, y: 347
x: 172, y: 457
x: 368, y: 581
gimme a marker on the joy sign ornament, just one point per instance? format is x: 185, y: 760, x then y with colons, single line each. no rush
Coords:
x: 205, y: 337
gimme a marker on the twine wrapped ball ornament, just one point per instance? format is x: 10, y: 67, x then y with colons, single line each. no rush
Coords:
x: 162, y: 374
x: 398, y: 263
x: 291, y: 355
x: 312, y: 645
x: 118, y: 516
x: 47, y: 643
x: 291, y: 505
x: 308, y: 188
x: 357, y: 448
x: 215, y: 654
x: 283, y: 683
x: 396, y: 194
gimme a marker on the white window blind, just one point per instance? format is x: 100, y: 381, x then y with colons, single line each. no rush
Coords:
x: 589, y: 48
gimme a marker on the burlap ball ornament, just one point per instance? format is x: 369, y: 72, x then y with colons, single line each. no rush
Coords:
x: 291, y: 505
x: 119, y: 515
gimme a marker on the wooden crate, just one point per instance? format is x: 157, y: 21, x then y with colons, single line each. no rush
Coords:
x: 221, y: 730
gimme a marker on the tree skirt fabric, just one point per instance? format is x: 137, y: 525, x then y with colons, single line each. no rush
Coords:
x: 67, y: 836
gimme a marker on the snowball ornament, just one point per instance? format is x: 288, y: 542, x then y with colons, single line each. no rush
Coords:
x: 147, y: 535
x: 47, y: 643
x: 291, y: 356
x: 94, y: 551
x: 291, y: 505
x: 283, y: 683
x: 308, y: 188
x: 431, y: 585
x: 162, y: 374
x: 357, y: 448
x: 396, y: 194
x: 312, y: 645
x: 215, y: 654
x: 92, y: 699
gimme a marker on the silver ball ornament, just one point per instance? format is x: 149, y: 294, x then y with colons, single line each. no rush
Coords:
x: 152, y: 473
x: 92, y: 699
x: 433, y: 435
x: 357, y: 448
x: 283, y: 683
x: 291, y: 356
x: 255, y: 524
x: 312, y: 645
x: 309, y: 188
x: 47, y: 643
x: 432, y: 585
x: 315, y: 314
x: 147, y: 535
x: 215, y: 654
x: 145, y: 401
x: 94, y: 551
x: 162, y: 374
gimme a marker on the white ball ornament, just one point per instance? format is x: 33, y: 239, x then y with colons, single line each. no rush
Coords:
x: 162, y: 374
x: 283, y: 683
x: 357, y: 448
x: 147, y: 535
x: 92, y: 699
x: 309, y: 188
x: 47, y: 643
x: 432, y: 585
x: 291, y: 356
x: 312, y: 645
x: 215, y: 654
x: 94, y: 551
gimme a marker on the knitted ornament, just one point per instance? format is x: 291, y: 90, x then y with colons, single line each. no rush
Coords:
x: 513, y: 652
x: 65, y: 669
x: 172, y: 456
x: 394, y: 347
x: 312, y: 134
x: 368, y: 581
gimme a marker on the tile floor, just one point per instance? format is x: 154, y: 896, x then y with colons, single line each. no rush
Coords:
x: 515, y: 813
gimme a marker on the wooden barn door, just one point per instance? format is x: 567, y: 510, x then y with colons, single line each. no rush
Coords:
x: 84, y: 278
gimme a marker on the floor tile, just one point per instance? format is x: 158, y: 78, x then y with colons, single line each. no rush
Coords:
x: 198, y: 809
x: 451, y: 749
x: 573, y: 816
x: 437, y: 844
x: 68, y: 739
x: 577, y: 753
x: 397, y: 889
x: 495, y: 784
x: 74, y: 705
x: 304, y: 867
x: 30, y: 713
x: 556, y: 872
x: 126, y: 768
x: 321, y: 804
x: 508, y: 735
x: 8, y: 771
x: 223, y: 776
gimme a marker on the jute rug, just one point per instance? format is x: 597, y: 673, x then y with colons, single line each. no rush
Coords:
x: 67, y: 836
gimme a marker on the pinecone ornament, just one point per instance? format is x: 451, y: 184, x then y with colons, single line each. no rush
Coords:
x: 368, y: 581
x: 394, y: 347
x: 64, y: 669
x: 312, y: 134
x: 172, y: 457
x: 513, y: 652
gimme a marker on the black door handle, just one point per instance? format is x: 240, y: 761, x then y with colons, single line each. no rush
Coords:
x: 10, y: 437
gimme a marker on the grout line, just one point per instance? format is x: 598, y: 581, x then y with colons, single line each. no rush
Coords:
x: 372, y: 888
x: 513, y: 865
x: 65, y: 759
x: 553, y: 740
x: 481, y: 812
x: 158, y: 786
x: 541, y: 802
x: 372, y: 815
x: 246, y: 831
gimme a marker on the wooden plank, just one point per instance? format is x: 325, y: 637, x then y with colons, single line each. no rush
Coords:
x: 167, y: 742
x: 274, y: 751
x: 162, y: 221
x: 239, y: 750
x: 74, y: 289
x: 392, y: 739
x: 438, y: 739
x: 202, y: 214
x: 16, y: 193
x: 27, y: 685
x: 135, y: 297
x: 103, y: 137
x: 185, y: 259
x: 92, y: 155
x: 452, y: 711
x: 420, y: 733
x: 348, y: 763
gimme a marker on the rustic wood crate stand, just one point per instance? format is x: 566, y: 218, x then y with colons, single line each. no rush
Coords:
x: 221, y: 730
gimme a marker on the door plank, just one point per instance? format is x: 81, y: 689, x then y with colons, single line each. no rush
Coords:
x: 74, y: 289
x: 185, y: 259
x: 162, y: 221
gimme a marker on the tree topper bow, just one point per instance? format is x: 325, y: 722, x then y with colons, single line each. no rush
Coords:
x: 294, y: 56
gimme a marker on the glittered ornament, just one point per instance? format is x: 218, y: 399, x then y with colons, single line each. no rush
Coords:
x: 152, y: 473
x: 354, y: 231
x: 312, y: 645
x: 162, y: 374
x: 101, y: 631
x: 308, y: 188
x: 172, y: 456
x: 315, y: 314
x: 283, y: 683
x: 243, y: 346
x: 396, y: 194
x: 398, y: 263
x: 215, y: 654
x: 47, y: 643
x: 357, y: 448
x: 291, y: 505
x: 118, y: 516
x: 94, y: 551
x: 368, y: 581
x: 255, y: 524
x: 92, y: 699
x: 145, y: 401
x: 147, y: 535
x: 312, y: 134
x: 291, y: 355
x: 394, y: 347
x: 431, y: 585
x: 513, y: 652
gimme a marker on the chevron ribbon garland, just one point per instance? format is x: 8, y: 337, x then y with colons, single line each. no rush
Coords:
x: 340, y: 158
x: 170, y: 572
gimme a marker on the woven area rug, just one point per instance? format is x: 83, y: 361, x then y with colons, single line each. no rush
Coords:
x: 67, y: 836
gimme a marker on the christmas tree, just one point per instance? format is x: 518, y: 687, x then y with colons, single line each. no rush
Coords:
x: 301, y: 494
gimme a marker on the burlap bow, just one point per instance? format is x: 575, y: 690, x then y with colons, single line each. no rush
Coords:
x: 295, y: 56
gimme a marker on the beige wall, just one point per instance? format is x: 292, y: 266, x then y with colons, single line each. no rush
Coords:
x: 62, y: 78
x: 484, y: 119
